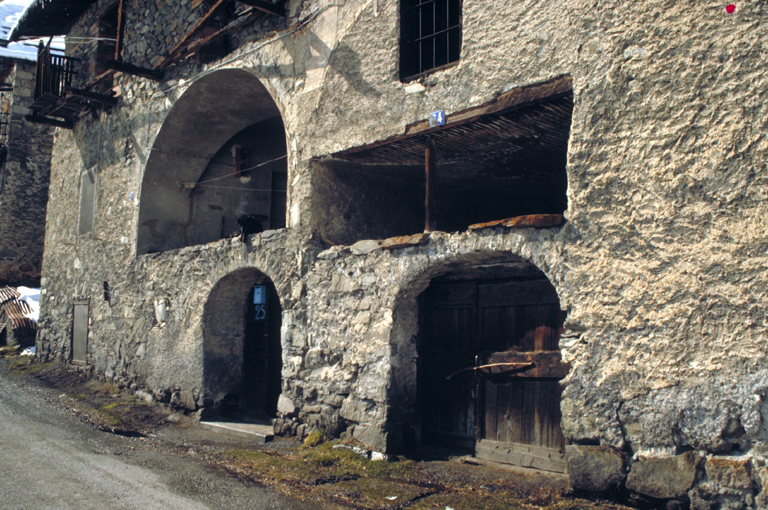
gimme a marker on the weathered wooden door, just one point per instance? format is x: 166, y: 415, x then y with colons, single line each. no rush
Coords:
x: 261, y: 351
x: 510, y: 411
x: 519, y: 392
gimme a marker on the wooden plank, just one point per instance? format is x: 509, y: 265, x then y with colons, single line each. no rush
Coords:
x: 533, y: 292
x: 515, y: 98
x: 125, y: 67
x: 274, y: 9
x: 547, y: 364
x: 491, y: 406
x: 51, y: 122
x: 514, y: 414
x: 120, y: 30
x: 539, y: 335
x: 498, y: 328
x: 546, y: 459
x: 451, y: 294
x: 231, y: 27
x: 93, y: 96
x: 429, y: 199
x: 527, y: 221
x: 193, y: 32
x: 404, y: 241
x: 554, y: 434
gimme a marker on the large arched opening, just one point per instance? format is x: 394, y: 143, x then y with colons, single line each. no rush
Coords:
x: 242, y: 358
x: 479, y: 363
x: 219, y: 159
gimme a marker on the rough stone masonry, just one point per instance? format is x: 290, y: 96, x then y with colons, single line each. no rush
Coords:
x: 660, y: 264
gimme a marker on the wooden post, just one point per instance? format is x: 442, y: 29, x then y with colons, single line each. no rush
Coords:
x: 120, y: 30
x: 429, y: 202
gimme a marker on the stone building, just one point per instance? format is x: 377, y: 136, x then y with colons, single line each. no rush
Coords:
x: 589, y: 294
x: 25, y: 154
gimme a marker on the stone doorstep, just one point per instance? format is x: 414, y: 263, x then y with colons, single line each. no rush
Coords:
x: 259, y: 433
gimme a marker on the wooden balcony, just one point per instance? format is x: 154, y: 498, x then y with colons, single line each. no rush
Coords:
x: 56, y: 101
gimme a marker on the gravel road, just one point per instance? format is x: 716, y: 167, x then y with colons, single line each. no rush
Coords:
x: 53, y: 460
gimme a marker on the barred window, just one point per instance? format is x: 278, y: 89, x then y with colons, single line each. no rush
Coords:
x: 430, y: 33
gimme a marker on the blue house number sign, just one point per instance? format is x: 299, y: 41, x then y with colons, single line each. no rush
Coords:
x: 437, y: 118
x: 260, y: 301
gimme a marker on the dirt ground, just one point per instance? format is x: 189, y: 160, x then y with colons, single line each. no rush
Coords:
x: 320, y: 470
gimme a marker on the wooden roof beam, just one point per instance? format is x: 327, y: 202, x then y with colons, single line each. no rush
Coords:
x: 277, y: 9
x: 125, y: 67
x: 50, y: 122
x: 194, y: 31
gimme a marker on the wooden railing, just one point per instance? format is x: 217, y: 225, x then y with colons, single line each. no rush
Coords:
x: 54, y: 72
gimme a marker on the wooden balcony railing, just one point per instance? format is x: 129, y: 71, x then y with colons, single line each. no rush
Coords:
x: 54, y: 72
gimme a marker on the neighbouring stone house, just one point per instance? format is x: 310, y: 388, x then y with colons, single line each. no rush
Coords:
x: 590, y: 292
x: 25, y: 154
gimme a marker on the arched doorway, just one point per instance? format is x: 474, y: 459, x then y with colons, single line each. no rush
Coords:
x: 241, y: 347
x: 489, y: 365
x: 220, y: 156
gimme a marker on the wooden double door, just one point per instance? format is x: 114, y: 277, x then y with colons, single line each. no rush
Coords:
x: 489, y: 366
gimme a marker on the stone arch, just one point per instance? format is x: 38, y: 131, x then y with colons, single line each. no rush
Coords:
x: 191, y: 192
x: 488, y: 266
x: 242, y: 358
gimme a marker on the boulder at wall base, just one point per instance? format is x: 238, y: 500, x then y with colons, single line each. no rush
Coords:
x: 664, y: 477
x: 595, y: 468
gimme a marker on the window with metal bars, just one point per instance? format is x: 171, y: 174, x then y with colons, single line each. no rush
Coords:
x: 430, y: 32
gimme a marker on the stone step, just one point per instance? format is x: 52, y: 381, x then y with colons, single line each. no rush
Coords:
x: 256, y: 432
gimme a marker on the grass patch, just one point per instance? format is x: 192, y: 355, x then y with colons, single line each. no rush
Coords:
x: 321, y: 461
x: 9, y: 350
x: 27, y: 365
x: 110, y: 415
x: 315, y: 438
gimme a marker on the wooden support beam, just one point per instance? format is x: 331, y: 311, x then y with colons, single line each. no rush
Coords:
x: 51, y: 122
x: 192, y: 33
x: 120, y: 30
x: 277, y: 9
x: 429, y: 200
x: 236, y: 25
x: 125, y: 67
x: 93, y: 96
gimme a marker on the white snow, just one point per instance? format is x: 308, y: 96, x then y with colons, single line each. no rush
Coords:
x: 10, y: 12
x: 32, y: 298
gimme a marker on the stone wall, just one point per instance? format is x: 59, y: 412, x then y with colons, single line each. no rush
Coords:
x: 23, y: 183
x: 660, y: 265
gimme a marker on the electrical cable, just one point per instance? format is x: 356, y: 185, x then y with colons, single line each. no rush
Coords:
x: 241, y: 171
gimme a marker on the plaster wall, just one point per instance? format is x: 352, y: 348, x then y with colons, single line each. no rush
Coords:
x: 661, y: 265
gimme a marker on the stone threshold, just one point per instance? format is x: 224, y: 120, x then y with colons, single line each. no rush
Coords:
x: 259, y: 433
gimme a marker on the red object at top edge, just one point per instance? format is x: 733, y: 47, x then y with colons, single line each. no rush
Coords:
x: 730, y: 8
